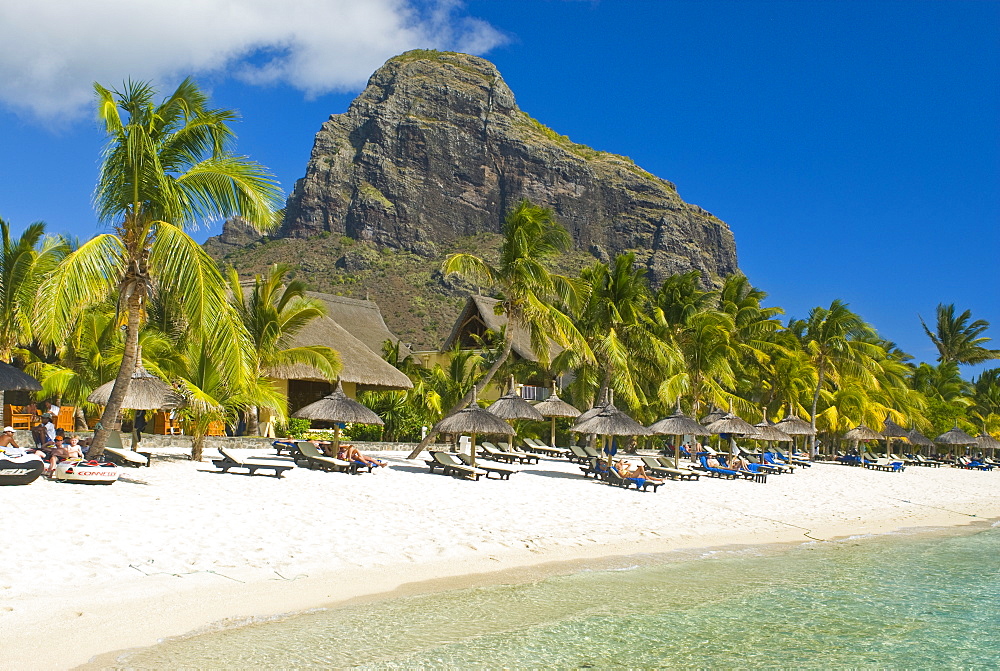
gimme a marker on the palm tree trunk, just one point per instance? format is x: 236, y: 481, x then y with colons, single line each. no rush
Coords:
x: 469, y: 397
x: 197, y: 440
x: 812, y: 414
x: 130, y: 357
x: 253, y: 421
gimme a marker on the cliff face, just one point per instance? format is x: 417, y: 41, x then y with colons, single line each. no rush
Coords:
x: 436, y: 149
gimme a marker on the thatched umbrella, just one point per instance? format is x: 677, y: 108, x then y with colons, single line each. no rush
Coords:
x: 610, y: 421
x: 145, y: 392
x: 987, y: 442
x: 794, y: 426
x: 861, y: 433
x: 511, y: 406
x: 892, y: 430
x: 338, y: 407
x: 678, y: 424
x: 917, y: 438
x: 473, y: 420
x: 770, y: 433
x: 554, y: 407
x: 713, y: 415
x: 15, y: 379
x: 734, y: 426
x: 955, y: 437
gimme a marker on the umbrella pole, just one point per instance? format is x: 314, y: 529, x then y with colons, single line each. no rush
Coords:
x: 472, y: 451
x: 677, y: 451
x: 336, y: 437
x: 552, y: 442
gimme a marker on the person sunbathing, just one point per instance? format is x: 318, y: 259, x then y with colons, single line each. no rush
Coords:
x: 712, y: 462
x: 351, y: 453
x: 628, y: 470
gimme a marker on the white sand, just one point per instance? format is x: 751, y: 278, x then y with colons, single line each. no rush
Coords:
x: 176, y: 547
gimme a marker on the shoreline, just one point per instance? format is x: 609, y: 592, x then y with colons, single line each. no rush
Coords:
x: 444, y: 534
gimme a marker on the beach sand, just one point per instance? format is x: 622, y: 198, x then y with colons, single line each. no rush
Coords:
x: 177, y: 548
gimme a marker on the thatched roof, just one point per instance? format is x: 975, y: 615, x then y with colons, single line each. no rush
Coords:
x: 337, y: 407
x: 955, y: 437
x: 15, y: 379
x: 554, y: 406
x: 917, y: 438
x: 145, y: 392
x: 512, y: 406
x: 611, y: 421
x: 714, y: 415
x: 474, y: 420
x: 678, y: 424
x: 480, y: 314
x: 767, y: 431
x: 862, y: 432
x: 987, y: 442
x: 794, y: 426
x: 361, y: 365
x: 362, y: 319
x: 730, y: 423
x: 892, y: 430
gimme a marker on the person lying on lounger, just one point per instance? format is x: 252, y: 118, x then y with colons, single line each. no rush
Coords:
x: 351, y: 453
x: 628, y: 470
x: 712, y: 462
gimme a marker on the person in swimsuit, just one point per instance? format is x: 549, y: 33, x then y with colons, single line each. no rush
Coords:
x: 627, y: 470
x: 64, y: 452
x: 351, y: 453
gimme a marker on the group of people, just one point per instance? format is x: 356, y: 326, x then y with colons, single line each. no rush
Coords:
x: 60, y: 448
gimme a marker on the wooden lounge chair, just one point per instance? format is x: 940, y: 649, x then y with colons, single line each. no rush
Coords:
x: 450, y: 464
x: 507, y: 447
x: 538, y: 446
x: 685, y: 473
x: 578, y: 455
x: 491, y: 451
x: 883, y: 464
x: 641, y: 484
x: 594, y: 467
x: 315, y: 459
x: 116, y: 452
x: 282, y: 446
x: 230, y: 460
x: 727, y: 473
x: 502, y: 472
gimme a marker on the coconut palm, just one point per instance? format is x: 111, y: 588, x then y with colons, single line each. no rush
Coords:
x: 24, y: 263
x: 958, y: 340
x: 273, y: 312
x: 166, y: 166
x: 528, y: 290
x: 837, y: 342
x: 616, y: 324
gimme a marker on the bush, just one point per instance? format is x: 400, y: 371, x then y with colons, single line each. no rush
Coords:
x: 294, y: 428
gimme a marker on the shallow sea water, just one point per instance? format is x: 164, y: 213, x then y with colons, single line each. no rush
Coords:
x: 897, y: 601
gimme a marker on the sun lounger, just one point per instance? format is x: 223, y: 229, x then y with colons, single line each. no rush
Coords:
x: 883, y: 464
x: 503, y: 472
x: 507, y: 447
x: 491, y: 451
x: 726, y: 473
x: 973, y: 464
x: 924, y: 461
x: 315, y: 459
x: 282, y: 446
x: 751, y: 472
x: 116, y: 452
x: 450, y: 464
x: 772, y: 461
x: 683, y: 473
x: 538, y: 446
x: 792, y: 459
x: 594, y: 467
x: 641, y: 484
x: 230, y: 460
x: 578, y: 454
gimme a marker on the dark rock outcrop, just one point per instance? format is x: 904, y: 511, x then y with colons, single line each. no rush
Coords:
x: 436, y: 148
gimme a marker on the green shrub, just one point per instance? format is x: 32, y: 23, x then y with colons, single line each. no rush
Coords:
x: 294, y: 428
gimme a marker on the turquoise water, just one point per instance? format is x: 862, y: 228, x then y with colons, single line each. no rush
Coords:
x: 899, y: 601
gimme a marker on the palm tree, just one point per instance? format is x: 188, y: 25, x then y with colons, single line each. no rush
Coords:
x: 527, y: 288
x: 837, y: 342
x: 24, y: 263
x: 165, y: 167
x: 957, y: 340
x: 616, y: 325
x: 272, y: 316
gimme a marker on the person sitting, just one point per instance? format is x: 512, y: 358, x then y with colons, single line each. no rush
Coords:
x: 63, y: 452
x: 7, y: 438
x: 712, y: 462
x: 739, y: 464
x: 351, y: 453
x: 628, y: 470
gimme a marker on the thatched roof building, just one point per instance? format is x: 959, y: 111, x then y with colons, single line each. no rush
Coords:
x: 478, y: 316
x: 361, y: 366
x: 362, y: 319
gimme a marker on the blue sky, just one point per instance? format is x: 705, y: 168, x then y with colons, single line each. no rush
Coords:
x: 852, y: 147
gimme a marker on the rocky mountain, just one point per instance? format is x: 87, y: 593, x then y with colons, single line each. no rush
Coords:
x: 431, y: 156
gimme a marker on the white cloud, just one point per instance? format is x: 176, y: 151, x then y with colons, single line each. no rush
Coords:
x: 51, y: 51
